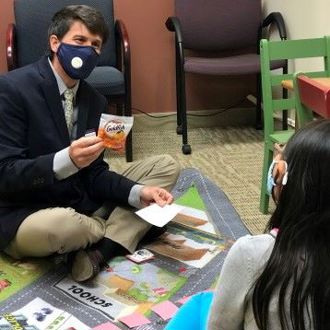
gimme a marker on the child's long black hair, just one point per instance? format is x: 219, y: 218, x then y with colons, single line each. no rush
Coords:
x: 298, y: 271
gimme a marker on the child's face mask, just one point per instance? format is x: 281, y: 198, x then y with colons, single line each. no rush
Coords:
x: 273, y: 174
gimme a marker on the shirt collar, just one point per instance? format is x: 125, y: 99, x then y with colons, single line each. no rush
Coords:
x: 60, y: 83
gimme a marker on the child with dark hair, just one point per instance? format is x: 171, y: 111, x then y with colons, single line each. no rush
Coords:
x: 281, y: 279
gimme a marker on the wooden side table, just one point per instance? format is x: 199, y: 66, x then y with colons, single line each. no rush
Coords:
x: 315, y: 94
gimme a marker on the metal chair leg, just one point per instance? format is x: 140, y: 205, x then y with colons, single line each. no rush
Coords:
x: 181, y: 103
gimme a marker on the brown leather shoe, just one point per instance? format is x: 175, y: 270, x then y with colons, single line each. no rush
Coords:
x: 86, y: 265
x: 152, y: 234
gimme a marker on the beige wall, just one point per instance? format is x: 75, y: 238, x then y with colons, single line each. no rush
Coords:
x: 312, y: 20
x: 152, y: 50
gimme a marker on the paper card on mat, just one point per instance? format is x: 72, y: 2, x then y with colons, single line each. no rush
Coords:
x: 159, y: 216
x: 165, y: 309
x: 39, y: 314
x: 106, y: 326
x: 183, y: 300
x: 134, y: 320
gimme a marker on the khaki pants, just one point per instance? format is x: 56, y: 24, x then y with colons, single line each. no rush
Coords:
x: 61, y: 230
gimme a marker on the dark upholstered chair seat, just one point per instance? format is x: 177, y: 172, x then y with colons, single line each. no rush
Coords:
x: 231, y: 65
x: 107, y: 80
x: 219, y: 37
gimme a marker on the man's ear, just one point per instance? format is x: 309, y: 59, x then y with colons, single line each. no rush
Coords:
x: 54, y: 43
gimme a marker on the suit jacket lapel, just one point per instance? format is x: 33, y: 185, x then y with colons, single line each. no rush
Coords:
x: 53, y: 99
x: 83, y: 106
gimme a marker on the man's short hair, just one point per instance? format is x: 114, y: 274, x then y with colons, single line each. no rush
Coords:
x: 91, y: 17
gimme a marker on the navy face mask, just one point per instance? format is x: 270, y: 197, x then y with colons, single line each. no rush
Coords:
x: 77, y: 61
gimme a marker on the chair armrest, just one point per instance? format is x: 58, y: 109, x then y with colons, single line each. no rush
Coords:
x: 123, y: 51
x: 173, y: 24
x: 11, y: 47
x: 277, y: 19
x: 123, y: 58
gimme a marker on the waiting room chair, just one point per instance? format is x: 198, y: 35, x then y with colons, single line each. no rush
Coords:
x: 210, y: 27
x: 27, y: 42
x: 273, y: 102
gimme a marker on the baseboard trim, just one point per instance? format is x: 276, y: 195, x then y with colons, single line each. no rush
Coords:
x: 196, y: 119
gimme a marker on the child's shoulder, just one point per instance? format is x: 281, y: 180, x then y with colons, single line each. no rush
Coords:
x: 250, y: 239
x: 255, y: 244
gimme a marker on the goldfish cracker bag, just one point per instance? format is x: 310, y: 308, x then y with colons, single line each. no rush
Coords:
x: 114, y: 130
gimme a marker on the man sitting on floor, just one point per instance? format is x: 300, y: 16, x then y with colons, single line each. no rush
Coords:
x: 57, y: 194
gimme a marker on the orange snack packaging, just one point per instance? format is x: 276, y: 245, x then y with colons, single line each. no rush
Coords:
x: 114, y: 130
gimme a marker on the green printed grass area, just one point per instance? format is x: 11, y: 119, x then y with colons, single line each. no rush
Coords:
x: 191, y: 198
x: 17, y: 274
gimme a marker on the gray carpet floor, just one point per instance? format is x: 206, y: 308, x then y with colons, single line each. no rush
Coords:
x: 230, y: 156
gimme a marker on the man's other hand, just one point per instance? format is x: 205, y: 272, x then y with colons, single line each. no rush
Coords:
x: 150, y: 194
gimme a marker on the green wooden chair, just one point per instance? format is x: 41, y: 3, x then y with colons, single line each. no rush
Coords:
x: 275, y: 102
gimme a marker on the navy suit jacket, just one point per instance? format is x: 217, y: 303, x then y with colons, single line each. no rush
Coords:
x: 32, y: 130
